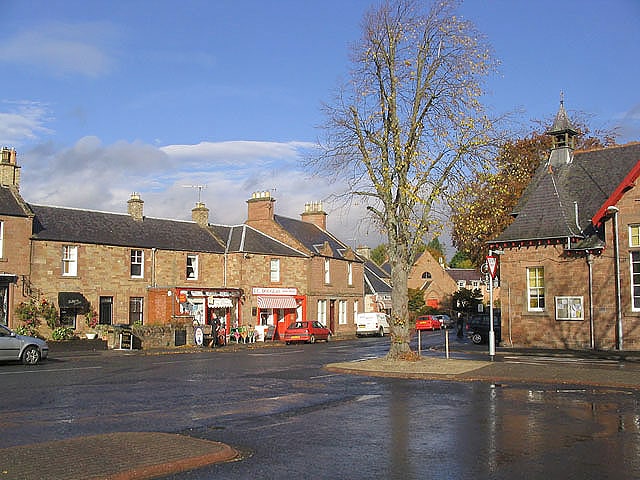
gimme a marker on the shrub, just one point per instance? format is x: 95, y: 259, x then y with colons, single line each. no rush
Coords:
x: 62, y: 333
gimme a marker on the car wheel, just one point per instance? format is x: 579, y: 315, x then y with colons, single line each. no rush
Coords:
x: 381, y: 332
x: 31, y: 355
x: 476, y: 338
x: 312, y: 339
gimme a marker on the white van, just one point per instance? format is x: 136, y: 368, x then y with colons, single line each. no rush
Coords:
x: 372, y: 323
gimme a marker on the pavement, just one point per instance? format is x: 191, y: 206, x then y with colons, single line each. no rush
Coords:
x: 147, y: 455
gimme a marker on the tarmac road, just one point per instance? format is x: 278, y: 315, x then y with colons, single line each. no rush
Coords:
x: 332, y: 416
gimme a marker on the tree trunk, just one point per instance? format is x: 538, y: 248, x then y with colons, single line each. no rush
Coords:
x: 400, y: 329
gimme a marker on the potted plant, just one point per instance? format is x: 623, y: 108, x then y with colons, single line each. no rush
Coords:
x: 91, y: 319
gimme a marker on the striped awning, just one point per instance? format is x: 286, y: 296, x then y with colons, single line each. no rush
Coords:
x: 277, y: 302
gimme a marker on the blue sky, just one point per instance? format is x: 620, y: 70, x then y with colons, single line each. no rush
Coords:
x: 105, y: 98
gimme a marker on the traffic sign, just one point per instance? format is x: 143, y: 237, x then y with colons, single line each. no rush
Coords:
x: 492, y: 262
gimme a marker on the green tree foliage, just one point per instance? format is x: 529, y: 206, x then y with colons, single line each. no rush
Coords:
x: 379, y: 254
x: 461, y: 260
x: 406, y: 126
x: 482, y: 209
x: 436, y: 249
x: 416, y: 301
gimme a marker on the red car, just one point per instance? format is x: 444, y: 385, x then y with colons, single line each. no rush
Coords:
x: 306, y: 331
x: 428, y: 322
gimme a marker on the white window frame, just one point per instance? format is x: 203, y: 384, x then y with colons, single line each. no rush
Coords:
x: 136, y: 310
x: 70, y: 261
x: 322, y: 312
x: 634, y: 272
x: 342, y: 312
x: 327, y: 270
x: 461, y: 284
x: 192, y: 263
x: 570, y: 308
x: 274, y: 269
x: 350, y: 274
x: 137, y: 260
x: 355, y: 310
x: 634, y: 235
x: 540, y: 289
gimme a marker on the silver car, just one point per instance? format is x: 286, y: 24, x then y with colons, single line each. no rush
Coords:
x: 29, y: 350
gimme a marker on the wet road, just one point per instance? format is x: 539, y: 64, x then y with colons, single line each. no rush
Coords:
x: 292, y: 419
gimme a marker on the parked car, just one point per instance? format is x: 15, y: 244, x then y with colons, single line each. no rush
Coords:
x: 478, y: 327
x: 445, y: 321
x: 372, y: 323
x: 428, y: 322
x: 306, y: 331
x: 28, y: 350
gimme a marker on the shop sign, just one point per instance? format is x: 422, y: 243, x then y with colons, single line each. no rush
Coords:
x: 274, y: 291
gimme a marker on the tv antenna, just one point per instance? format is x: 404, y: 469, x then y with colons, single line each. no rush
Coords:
x: 199, y: 187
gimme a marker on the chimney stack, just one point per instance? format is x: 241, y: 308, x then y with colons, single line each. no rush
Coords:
x: 135, y: 207
x: 9, y: 169
x: 260, y: 207
x: 364, y: 251
x: 313, y: 213
x: 200, y: 214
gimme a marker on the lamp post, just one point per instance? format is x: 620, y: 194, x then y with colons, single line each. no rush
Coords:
x: 492, y: 264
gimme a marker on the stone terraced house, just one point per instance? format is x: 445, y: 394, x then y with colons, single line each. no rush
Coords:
x: 137, y: 270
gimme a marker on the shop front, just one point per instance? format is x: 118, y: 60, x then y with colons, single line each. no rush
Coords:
x: 212, y: 306
x: 275, y: 309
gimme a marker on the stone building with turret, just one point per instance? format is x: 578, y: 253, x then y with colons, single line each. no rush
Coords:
x: 570, y: 261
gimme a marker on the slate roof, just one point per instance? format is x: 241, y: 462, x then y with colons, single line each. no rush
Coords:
x: 375, y: 279
x: 466, y: 274
x: 100, y: 228
x: 9, y: 204
x: 243, y: 238
x: 312, y: 236
x: 549, y: 204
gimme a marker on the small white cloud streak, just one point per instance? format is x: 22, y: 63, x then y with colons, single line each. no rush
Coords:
x: 62, y: 48
x: 23, y: 122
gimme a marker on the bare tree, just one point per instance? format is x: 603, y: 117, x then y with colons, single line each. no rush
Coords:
x: 406, y: 126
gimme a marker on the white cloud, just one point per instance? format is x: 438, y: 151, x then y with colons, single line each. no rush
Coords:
x: 235, y: 152
x: 95, y: 176
x: 62, y: 48
x: 22, y: 122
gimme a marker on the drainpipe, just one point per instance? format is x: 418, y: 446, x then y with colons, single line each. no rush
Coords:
x: 591, y: 327
x: 153, y: 267
x: 613, y: 211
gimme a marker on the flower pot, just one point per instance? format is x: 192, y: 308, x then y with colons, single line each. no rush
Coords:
x: 91, y: 336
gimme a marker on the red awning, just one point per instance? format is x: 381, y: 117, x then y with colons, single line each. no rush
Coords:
x: 277, y: 302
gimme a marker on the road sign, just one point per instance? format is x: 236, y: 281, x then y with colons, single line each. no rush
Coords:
x: 492, y: 262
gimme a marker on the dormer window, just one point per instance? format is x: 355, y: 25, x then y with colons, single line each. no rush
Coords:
x: 426, y: 275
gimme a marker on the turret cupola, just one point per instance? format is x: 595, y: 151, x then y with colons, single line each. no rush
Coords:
x: 564, y: 141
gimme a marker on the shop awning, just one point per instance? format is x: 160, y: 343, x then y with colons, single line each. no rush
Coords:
x: 277, y: 302
x: 73, y: 300
x: 220, y: 302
